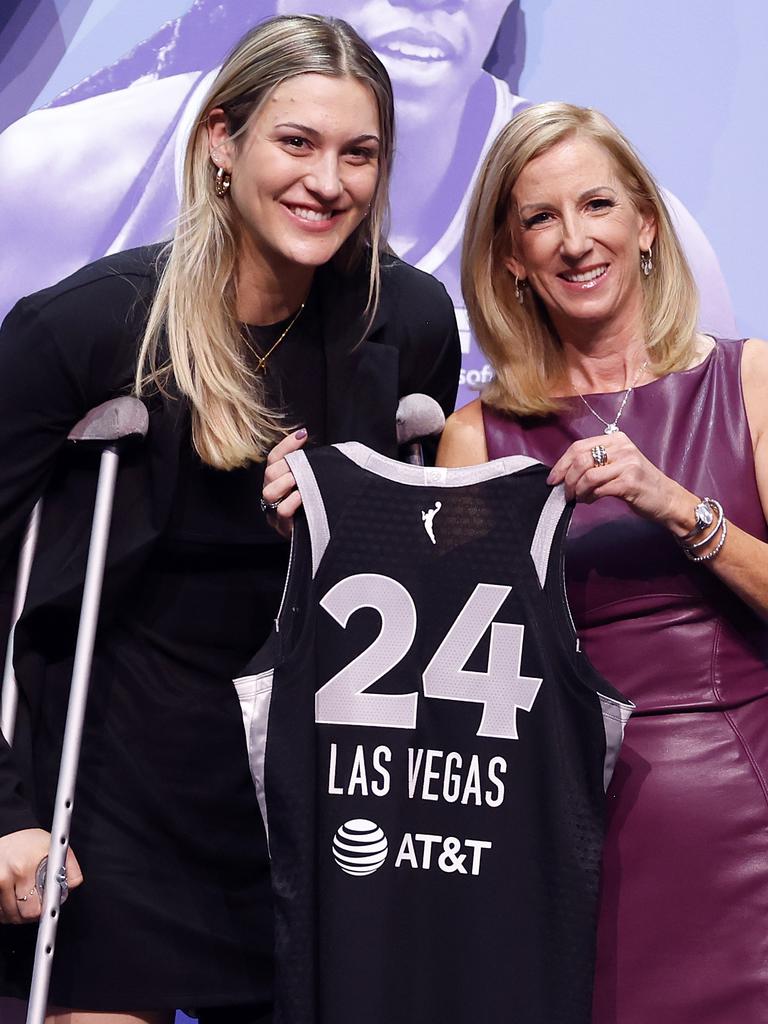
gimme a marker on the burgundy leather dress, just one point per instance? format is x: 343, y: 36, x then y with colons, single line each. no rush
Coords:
x: 683, y: 931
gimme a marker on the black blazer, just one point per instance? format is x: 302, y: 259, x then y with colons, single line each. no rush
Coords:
x: 73, y: 346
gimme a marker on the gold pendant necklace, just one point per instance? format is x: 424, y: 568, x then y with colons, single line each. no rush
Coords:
x: 261, y: 362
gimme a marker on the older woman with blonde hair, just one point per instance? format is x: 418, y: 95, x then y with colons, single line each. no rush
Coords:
x: 580, y: 296
x: 275, y: 317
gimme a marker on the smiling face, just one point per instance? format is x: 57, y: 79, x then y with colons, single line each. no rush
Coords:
x: 304, y: 172
x: 425, y: 46
x: 577, y: 237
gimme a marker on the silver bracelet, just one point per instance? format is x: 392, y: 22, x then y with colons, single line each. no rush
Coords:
x: 690, y: 546
x: 716, y: 507
x: 711, y: 554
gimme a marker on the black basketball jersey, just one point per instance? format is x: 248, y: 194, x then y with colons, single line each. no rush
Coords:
x: 437, y: 751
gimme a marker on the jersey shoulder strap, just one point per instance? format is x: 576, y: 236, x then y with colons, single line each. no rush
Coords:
x: 329, y: 483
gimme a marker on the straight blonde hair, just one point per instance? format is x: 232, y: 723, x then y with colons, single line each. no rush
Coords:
x: 193, y: 337
x: 519, y: 341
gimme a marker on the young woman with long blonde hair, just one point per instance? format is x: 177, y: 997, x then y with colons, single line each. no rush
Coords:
x: 276, y: 313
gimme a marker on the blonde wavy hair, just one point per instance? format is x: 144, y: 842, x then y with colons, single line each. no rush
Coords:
x: 192, y: 336
x: 519, y: 341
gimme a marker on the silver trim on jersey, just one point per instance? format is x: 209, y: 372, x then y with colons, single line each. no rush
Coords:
x: 541, y: 544
x: 613, y: 724
x: 255, y: 695
x: 431, y: 476
x: 312, y: 500
x: 291, y: 554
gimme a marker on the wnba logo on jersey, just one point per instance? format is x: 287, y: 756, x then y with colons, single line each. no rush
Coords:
x: 428, y: 518
x: 359, y: 847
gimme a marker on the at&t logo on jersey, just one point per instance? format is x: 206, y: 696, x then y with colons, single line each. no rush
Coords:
x: 359, y: 847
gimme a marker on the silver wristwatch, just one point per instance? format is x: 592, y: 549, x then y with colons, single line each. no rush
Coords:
x: 704, y: 517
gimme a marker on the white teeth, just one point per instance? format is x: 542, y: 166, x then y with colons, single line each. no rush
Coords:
x: 305, y: 214
x: 589, y: 275
x: 416, y: 51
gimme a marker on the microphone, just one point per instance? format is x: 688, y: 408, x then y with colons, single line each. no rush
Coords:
x: 418, y: 416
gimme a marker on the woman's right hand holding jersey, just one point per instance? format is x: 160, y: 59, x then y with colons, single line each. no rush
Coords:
x: 280, y: 496
x: 20, y: 856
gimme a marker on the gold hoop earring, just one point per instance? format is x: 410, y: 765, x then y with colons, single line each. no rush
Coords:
x: 222, y: 182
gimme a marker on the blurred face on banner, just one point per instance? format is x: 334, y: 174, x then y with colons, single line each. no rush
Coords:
x: 428, y: 47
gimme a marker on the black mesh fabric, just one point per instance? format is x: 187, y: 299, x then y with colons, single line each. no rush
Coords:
x: 443, y: 929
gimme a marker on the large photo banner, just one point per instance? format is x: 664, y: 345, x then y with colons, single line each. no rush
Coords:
x: 98, y: 97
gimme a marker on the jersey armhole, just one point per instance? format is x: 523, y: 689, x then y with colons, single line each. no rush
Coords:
x: 287, y: 623
x: 290, y: 616
x: 314, y: 508
x: 615, y: 709
x: 556, y: 593
x: 548, y: 554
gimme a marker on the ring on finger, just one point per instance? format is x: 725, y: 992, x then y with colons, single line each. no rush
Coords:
x: 32, y: 892
x: 599, y: 455
x: 270, y: 506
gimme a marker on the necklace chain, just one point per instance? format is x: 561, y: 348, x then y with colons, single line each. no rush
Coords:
x: 261, y: 361
x: 613, y: 426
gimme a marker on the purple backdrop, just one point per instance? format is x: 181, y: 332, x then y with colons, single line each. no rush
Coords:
x: 115, y: 91
x: 98, y: 95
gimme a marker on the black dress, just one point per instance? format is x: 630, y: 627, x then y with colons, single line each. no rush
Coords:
x: 175, y: 909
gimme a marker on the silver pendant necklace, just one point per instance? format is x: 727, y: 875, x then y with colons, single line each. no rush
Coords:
x: 613, y: 426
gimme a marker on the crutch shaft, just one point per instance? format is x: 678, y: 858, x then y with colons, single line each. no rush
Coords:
x: 73, y: 733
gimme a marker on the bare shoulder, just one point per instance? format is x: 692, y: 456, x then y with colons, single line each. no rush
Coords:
x: 463, y: 440
x: 754, y: 382
x: 754, y: 360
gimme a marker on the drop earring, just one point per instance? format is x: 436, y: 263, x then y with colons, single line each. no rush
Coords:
x: 222, y: 182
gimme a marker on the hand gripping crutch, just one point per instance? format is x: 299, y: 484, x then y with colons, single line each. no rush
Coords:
x: 107, y: 425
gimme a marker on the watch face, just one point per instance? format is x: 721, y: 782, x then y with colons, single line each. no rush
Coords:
x: 704, y: 516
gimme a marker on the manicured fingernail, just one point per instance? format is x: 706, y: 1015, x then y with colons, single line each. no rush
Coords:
x: 301, y: 434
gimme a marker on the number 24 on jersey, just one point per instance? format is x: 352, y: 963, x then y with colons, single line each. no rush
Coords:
x: 501, y: 689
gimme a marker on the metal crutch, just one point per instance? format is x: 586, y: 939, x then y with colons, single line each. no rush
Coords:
x: 108, y: 425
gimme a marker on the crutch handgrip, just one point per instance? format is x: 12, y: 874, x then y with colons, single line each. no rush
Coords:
x: 418, y: 416
x: 117, y: 420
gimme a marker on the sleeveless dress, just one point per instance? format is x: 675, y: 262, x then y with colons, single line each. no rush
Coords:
x: 682, y: 935
x: 176, y: 906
